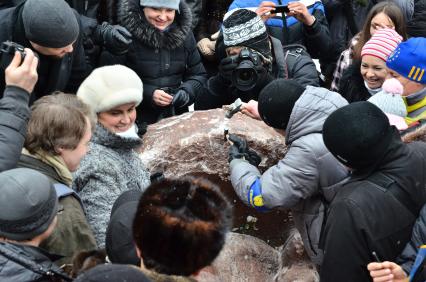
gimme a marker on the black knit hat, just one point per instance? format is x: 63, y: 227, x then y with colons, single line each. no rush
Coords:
x: 245, y: 28
x: 50, y: 23
x: 113, y: 273
x: 119, y: 239
x: 28, y: 204
x: 358, y: 135
x: 276, y: 101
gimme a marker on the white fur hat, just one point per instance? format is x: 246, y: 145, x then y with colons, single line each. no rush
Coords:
x: 111, y: 86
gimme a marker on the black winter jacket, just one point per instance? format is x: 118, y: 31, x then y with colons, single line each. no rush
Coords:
x: 43, y: 270
x: 14, y: 116
x: 168, y: 59
x: 291, y: 62
x: 418, y: 238
x: 346, y: 18
x: 374, y: 211
x: 65, y: 74
x: 352, y: 86
x: 416, y: 27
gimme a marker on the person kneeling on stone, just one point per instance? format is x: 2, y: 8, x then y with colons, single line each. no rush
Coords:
x: 28, y: 208
x: 112, y: 164
x: 252, y: 60
x: 305, y: 180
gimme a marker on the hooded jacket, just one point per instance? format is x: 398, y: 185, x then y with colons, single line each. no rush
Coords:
x: 63, y: 74
x: 167, y: 59
x: 306, y: 179
x: 374, y: 210
x: 110, y: 167
x: 72, y: 233
x: 292, y: 62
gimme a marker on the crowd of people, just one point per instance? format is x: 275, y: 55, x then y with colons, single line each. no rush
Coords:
x: 81, y: 81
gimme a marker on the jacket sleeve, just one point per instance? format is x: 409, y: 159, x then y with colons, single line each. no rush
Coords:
x: 318, y: 40
x: 14, y: 116
x: 294, y: 178
x: 418, y: 238
x: 195, y: 75
x: 345, y: 247
x: 302, y: 68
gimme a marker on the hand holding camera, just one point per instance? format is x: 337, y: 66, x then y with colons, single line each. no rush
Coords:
x: 227, y: 66
x: 22, y: 75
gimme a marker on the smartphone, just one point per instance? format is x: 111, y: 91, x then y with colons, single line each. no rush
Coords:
x: 281, y: 9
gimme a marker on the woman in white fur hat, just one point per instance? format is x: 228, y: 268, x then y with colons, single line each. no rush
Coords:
x: 111, y: 166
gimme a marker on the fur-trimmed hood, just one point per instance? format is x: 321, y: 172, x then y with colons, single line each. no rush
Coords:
x: 131, y: 16
x: 418, y: 134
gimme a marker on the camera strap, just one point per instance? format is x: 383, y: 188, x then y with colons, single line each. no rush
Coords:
x: 285, y: 30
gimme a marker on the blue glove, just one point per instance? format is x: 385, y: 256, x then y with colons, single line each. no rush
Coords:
x: 181, y: 99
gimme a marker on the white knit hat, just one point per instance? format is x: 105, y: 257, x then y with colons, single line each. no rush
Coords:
x: 111, y: 86
x: 389, y: 100
x: 171, y: 4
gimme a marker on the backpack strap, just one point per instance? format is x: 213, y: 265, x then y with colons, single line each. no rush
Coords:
x: 391, y: 185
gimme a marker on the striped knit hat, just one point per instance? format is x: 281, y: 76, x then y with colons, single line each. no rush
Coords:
x: 381, y: 44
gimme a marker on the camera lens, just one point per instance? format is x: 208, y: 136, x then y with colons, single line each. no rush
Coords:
x: 244, y: 77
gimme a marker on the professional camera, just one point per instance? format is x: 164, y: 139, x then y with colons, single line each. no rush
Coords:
x: 7, y: 51
x: 246, y: 74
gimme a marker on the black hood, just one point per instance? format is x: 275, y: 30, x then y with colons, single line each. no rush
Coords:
x: 131, y: 16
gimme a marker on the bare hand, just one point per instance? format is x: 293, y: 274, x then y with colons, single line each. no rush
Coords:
x: 161, y: 98
x: 265, y: 10
x: 301, y: 13
x: 386, y: 272
x: 250, y: 109
x: 24, y: 76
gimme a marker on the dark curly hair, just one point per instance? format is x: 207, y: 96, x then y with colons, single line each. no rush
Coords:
x: 180, y: 225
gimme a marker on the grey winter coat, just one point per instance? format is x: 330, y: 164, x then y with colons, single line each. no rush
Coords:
x: 307, y: 174
x: 110, y: 167
x: 14, y: 115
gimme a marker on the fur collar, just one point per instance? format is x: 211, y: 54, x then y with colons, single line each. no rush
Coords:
x: 130, y: 15
x: 417, y: 134
x: 104, y: 137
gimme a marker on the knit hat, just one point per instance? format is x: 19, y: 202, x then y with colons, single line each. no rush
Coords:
x: 109, y: 87
x: 119, y: 240
x: 409, y: 59
x: 28, y: 204
x: 358, y: 134
x: 50, y: 23
x: 245, y: 28
x: 381, y: 44
x: 171, y: 4
x: 113, y: 273
x: 389, y: 100
x: 276, y: 101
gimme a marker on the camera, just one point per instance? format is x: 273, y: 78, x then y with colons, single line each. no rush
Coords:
x: 246, y: 74
x: 281, y: 9
x: 7, y: 51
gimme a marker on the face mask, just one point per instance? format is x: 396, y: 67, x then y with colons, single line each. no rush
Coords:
x: 131, y: 133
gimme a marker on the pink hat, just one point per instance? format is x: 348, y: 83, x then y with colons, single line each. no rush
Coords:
x: 382, y: 44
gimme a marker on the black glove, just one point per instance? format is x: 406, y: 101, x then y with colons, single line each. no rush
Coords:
x: 226, y: 67
x: 181, y: 99
x: 115, y: 38
x: 239, y: 150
